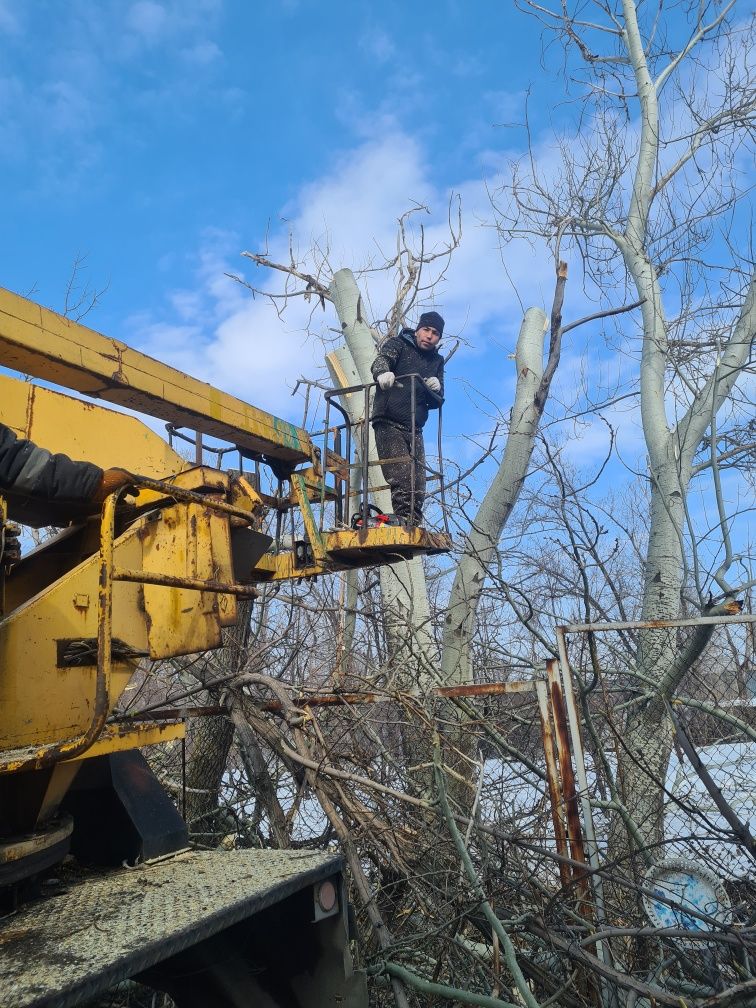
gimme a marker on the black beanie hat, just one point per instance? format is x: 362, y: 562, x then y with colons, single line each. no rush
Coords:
x: 433, y: 320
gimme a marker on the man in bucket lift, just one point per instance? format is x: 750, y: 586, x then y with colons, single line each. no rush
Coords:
x: 411, y: 352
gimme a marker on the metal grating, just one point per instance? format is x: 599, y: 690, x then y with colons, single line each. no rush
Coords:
x: 61, y: 950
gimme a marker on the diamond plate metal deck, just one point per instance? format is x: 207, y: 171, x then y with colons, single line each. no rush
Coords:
x: 61, y: 950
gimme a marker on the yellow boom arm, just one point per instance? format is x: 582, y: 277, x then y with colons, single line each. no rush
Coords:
x: 41, y: 343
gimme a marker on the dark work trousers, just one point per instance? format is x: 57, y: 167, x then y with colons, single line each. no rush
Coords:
x: 393, y: 442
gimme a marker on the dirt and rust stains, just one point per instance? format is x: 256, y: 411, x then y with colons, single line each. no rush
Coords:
x: 118, y: 376
x: 574, y: 827
x: 30, y: 411
x: 147, y: 614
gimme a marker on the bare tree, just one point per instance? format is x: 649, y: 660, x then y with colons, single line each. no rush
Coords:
x: 648, y: 191
x: 464, y: 895
x: 407, y: 620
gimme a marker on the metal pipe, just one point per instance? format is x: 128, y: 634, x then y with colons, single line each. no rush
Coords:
x: 193, y: 584
x: 365, y: 459
x: 338, y: 481
x: 279, y: 522
x: 413, y: 450
x: 656, y: 624
x: 348, y: 455
x: 582, y: 778
x: 190, y: 496
x: 324, y: 465
x: 331, y: 394
x: 354, y: 699
x: 552, y: 779
x: 442, y: 482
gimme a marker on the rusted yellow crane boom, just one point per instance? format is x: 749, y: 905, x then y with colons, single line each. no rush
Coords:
x: 157, y: 578
x: 46, y: 345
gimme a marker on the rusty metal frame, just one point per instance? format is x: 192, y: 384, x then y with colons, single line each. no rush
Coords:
x: 569, y: 796
x: 553, y: 781
x: 575, y: 736
x: 572, y: 711
x: 352, y: 699
x: 450, y: 692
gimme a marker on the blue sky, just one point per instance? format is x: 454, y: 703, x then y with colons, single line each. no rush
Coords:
x: 155, y: 140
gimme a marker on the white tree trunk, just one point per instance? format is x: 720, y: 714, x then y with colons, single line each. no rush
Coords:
x: 648, y: 732
x: 403, y: 587
x: 498, y: 503
x: 648, y: 736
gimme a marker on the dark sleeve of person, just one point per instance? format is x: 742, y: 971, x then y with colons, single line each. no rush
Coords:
x: 387, y: 357
x: 35, y: 472
x: 436, y: 400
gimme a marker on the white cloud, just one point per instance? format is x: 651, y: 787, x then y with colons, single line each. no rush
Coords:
x: 177, y: 345
x: 377, y: 44
x: 66, y: 108
x: 56, y: 115
x: 202, y: 53
x: 10, y: 21
x: 147, y: 18
x: 466, y: 66
x: 152, y: 21
x: 347, y: 217
x: 187, y: 304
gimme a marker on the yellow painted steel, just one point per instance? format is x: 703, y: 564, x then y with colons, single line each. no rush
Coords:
x: 85, y: 430
x: 164, y: 584
x: 120, y: 737
x: 299, y: 494
x: 186, y: 541
x: 350, y: 548
x: 43, y: 700
x: 388, y: 539
x: 113, y: 738
x: 283, y: 567
x: 41, y: 343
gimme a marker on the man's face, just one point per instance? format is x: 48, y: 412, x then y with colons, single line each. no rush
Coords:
x: 427, y: 337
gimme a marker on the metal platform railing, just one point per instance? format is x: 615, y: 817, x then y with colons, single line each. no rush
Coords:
x: 355, y: 435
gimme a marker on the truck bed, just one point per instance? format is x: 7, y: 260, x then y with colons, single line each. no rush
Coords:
x: 64, y: 949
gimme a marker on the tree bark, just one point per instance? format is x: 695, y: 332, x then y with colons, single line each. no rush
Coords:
x: 497, y: 505
x: 403, y: 587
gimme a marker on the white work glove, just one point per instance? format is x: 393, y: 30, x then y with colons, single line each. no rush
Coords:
x: 386, y: 380
x: 433, y: 384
